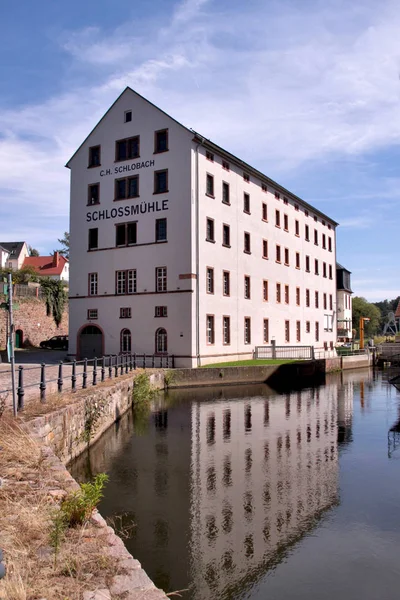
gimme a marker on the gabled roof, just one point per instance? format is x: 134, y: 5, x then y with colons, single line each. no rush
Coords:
x: 14, y: 248
x: 3, y: 249
x: 44, y: 265
x: 208, y: 143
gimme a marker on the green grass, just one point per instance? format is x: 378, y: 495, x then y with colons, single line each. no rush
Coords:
x: 249, y: 363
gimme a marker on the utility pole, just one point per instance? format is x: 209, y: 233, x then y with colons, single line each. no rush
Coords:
x: 11, y: 342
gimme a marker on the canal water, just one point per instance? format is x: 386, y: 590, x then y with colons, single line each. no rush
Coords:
x: 249, y: 492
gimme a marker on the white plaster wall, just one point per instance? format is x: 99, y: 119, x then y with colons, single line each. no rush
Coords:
x: 175, y: 254
x: 238, y: 263
x: 345, y: 313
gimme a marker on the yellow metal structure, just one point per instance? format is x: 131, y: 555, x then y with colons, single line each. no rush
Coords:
x: 362, y: 321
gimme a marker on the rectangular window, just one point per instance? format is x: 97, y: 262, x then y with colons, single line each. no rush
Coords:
x: 325, y: 300
x: 247, y: 246
x: 92, y: 314
x: 286, y: 294
x: 266, y: 331
x: 247, y: 287
x: 210, y: 185
x: 125, y: 282
x: 161, y: 181
x: 278, y: 254
x: 264, y: 187
x: 316, y: 267
x: 127, y: 188
x: 127, y: 149
x: 278, y: 293
x: 285, y: 222
x: 225, y: 165
x: 94, y: 156
x: 246, y: 203
x: 226, y: 282
x: 161, y: 279
x: 128, y: 116
x: 330, y: 271
x: 316, y: 300
x: 287, y: 256
x: 225, y: 193
x: 264, y: 212
x: 297, y: 296
x: 308, y: 328
x: 324, y: 269
x: 246, y: 177
x: 317, y: 331
x: 93, y: 194
x: 307, y: 298
x: 296, y: 207
x: 247, y: 330
x: 210, y: 280
x: 297, y: 228
x: 287, y: 331
x: 210, y: 230
x: 125, y: 234
x: 226, y: 235
x: 125, y: 312
x: 307, y: 233
x: 330, y: 244
x: 161, y: 230
x: 277, y: 196
x: 297, y: 260
x: 277, y: 218
x: 307, y: 264
x: 285, y: 200
x: 210, y: 329
x: 161, y: 141
x: 226, y: 330
x: 330, y: 302
x: 161, y: 311
x: 324, y: 241
x: 265, y: 249
x: 298, y: 331
x: 265, y: 290
x: 93, y: 280
x: 93, y: 239
x: 315, y: 237
x: 210, y: 156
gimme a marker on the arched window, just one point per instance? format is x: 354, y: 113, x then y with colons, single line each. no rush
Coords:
x: 161, y: 341
x: 126, y: 340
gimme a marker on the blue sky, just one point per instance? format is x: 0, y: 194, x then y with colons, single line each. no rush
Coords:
x: 307, y: 91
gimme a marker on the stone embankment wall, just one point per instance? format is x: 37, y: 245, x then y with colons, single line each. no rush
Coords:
x: 65, y: 430
x: 32, y: 320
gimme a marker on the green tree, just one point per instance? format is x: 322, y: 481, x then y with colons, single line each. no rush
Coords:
x: 363, y: 308
x: 33, y: 251
x: 56, y: 298
x: 65, y: 245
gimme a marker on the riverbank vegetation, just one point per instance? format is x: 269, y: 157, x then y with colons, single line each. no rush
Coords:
x: 32, y: 491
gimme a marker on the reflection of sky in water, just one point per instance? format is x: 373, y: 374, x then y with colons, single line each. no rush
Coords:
x: 239, y: 492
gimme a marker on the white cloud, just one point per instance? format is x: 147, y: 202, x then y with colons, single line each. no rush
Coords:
x: 278, y: 87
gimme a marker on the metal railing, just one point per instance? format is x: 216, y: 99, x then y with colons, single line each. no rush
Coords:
x: 90, y: 371
x: 284, y: 352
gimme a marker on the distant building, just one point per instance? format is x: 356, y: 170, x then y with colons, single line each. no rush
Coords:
x: 55, y: 267
x: 4, y: 254
x: 344, y: 304
x: 17, y: 252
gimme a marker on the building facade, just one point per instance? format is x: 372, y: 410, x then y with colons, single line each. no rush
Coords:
x: 17, y: 253
x: 55, y: 266
x: 344, y: 305
x: 179, y: 247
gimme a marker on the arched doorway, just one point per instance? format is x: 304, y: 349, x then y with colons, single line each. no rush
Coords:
x: 19, y: 338
x: 90, y: 342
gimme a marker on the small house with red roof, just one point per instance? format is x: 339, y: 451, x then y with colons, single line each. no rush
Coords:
x: 55, y: 267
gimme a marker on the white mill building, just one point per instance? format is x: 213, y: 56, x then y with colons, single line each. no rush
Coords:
x: 179, y: 247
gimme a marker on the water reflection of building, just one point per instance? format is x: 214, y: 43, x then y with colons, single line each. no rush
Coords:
x: 224, y: 481
x: 263, y: 470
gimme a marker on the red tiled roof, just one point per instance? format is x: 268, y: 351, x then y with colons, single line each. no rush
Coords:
x: 397, y: 313
x: 44, y: 265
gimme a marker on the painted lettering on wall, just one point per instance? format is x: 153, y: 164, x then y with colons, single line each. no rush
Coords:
x: 127, y: 168
x: 127, y: 211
